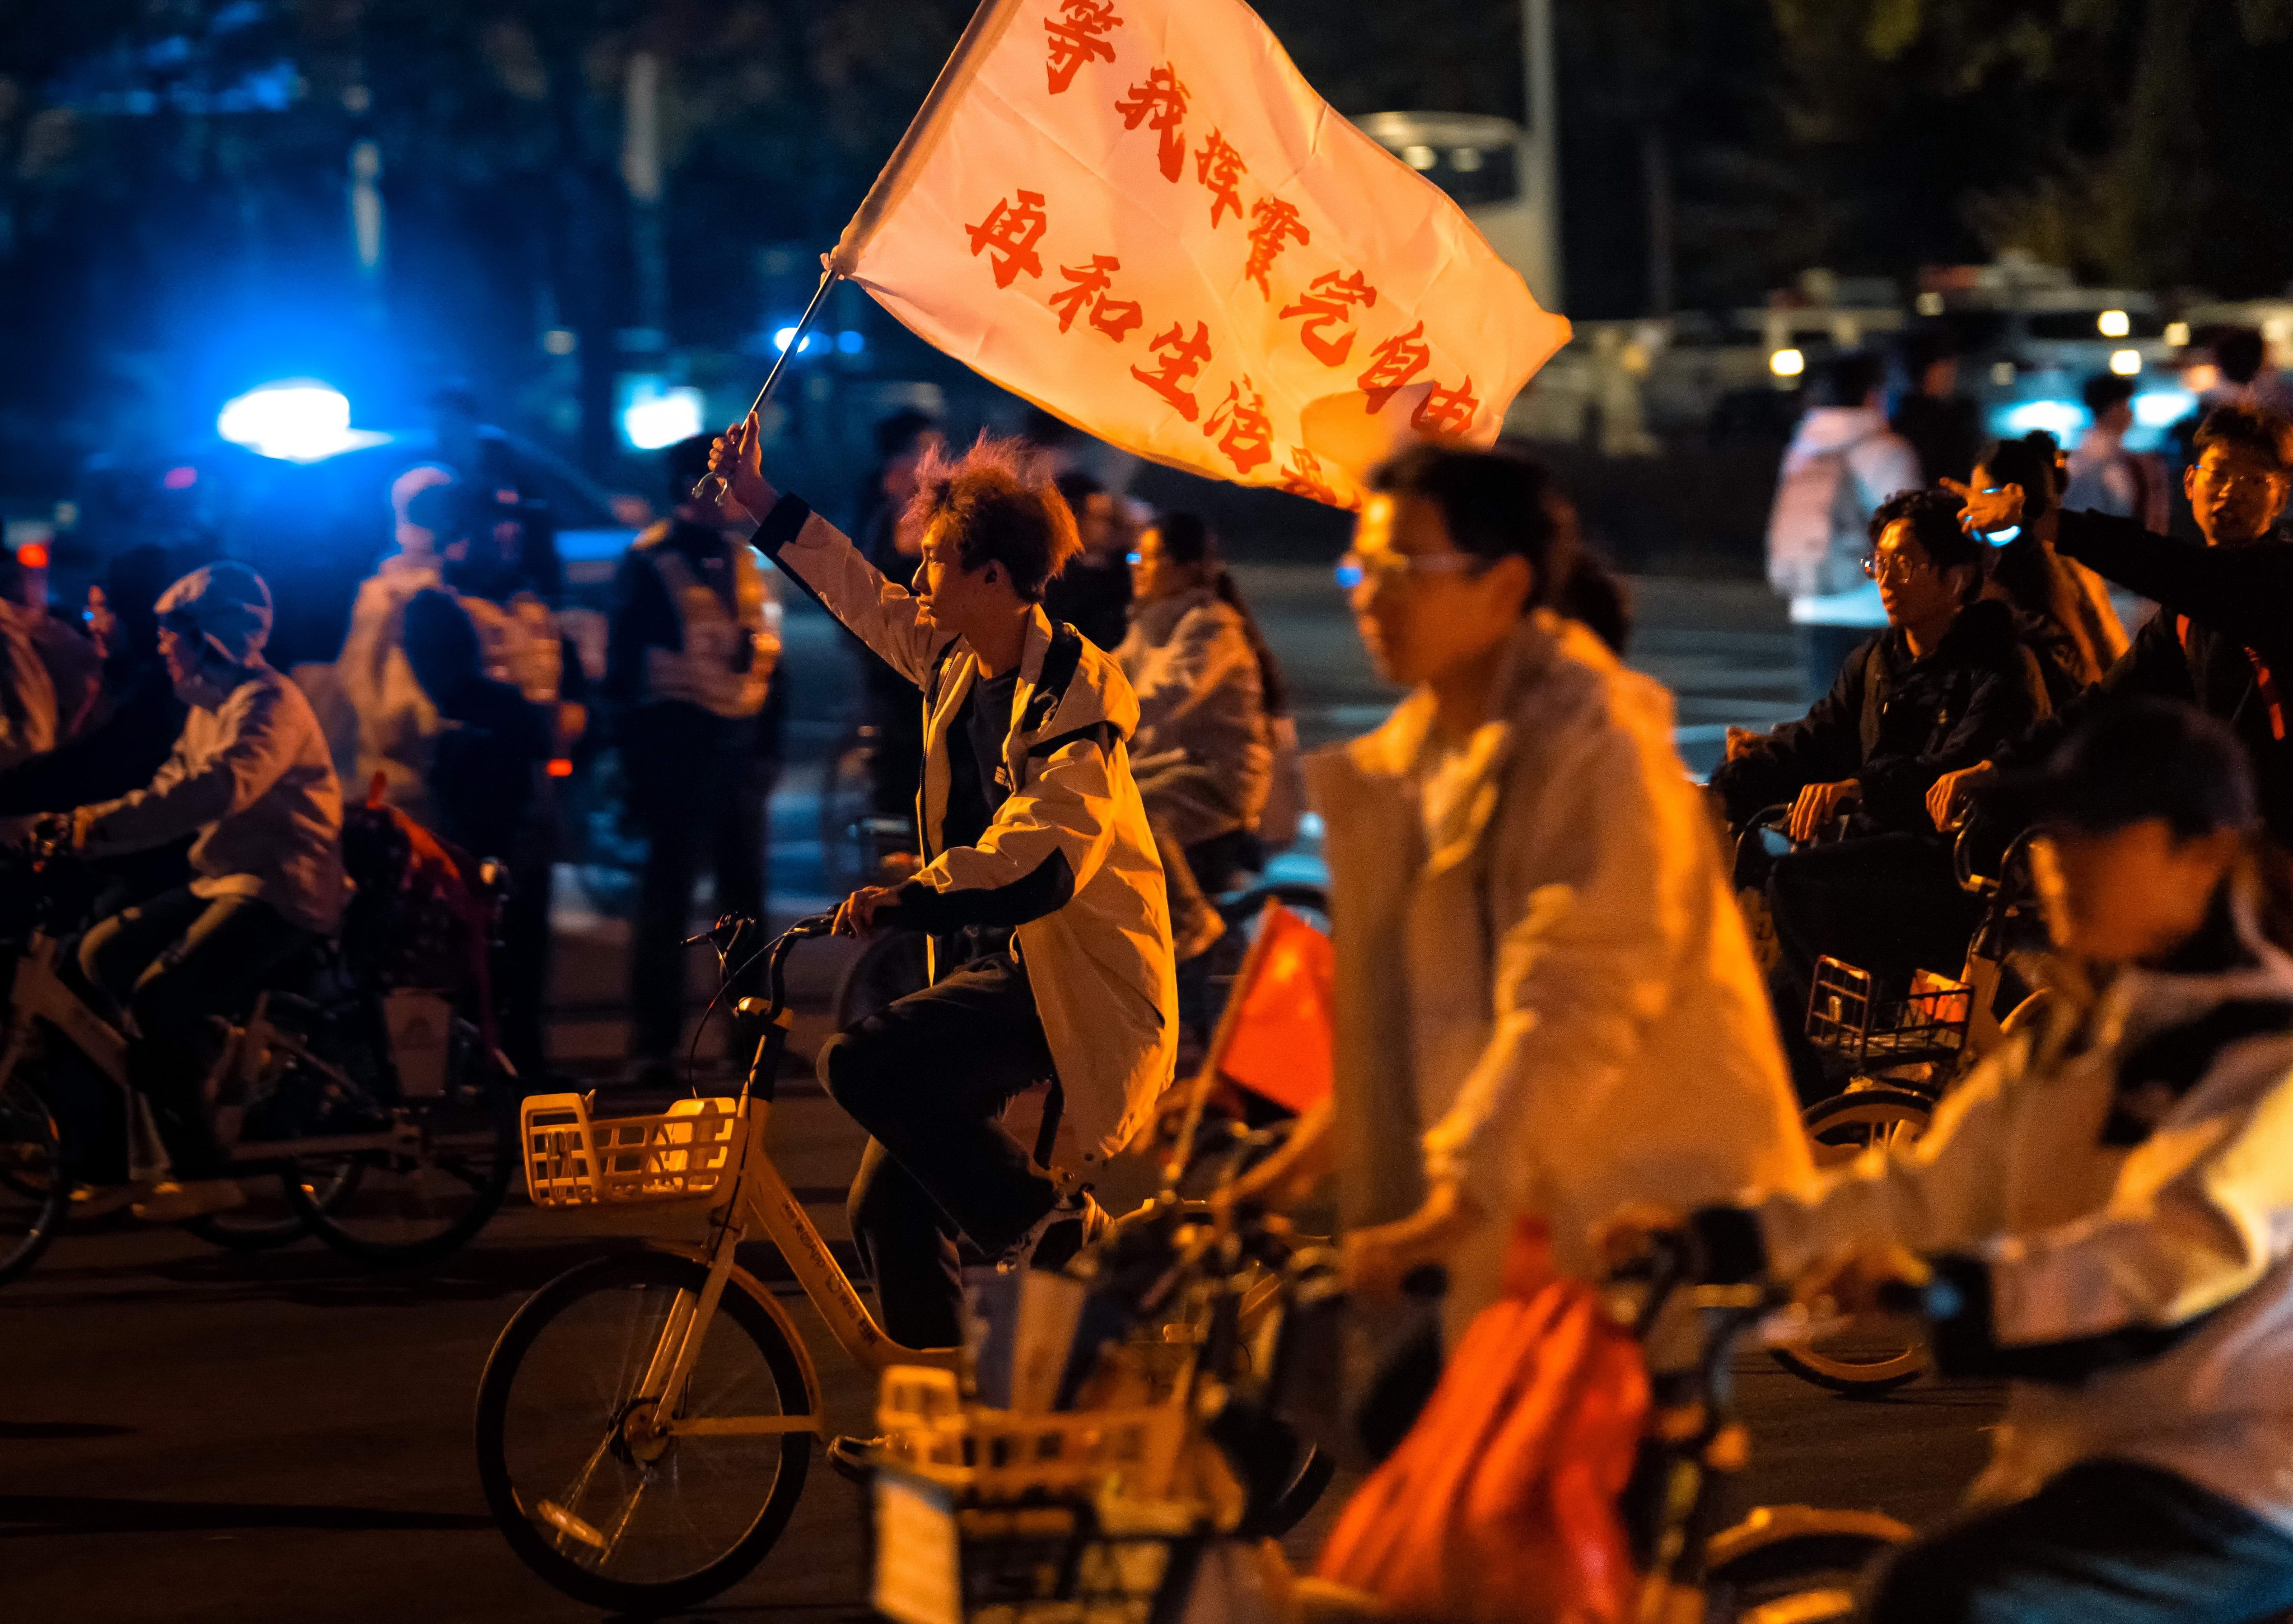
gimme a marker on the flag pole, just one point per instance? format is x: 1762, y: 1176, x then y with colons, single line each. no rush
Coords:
x: 713, y: 486
x: 979, y: 37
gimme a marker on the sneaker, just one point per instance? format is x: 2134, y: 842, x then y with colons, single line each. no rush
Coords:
x: 171, y: 1202
x: 90, y: 1202
x: 1074, y: 1222
x: 853, y: 1458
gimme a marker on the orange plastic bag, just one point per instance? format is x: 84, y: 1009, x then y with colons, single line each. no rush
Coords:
x: 1501, y: 1505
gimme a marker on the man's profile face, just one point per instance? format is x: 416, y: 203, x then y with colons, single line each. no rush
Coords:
x: 1914, y: 591
x: 2237, y: 492
x: 952, y: 595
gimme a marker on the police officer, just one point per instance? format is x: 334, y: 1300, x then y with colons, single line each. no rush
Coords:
x: 693, y: 640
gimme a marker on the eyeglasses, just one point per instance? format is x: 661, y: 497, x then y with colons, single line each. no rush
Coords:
x: 1132, y: 559
x: 2222, y: 478
x: 1386, y: 568
x: 1899, y: 566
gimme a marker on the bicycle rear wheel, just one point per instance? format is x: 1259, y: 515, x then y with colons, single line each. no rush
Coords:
x: 33, y: 1187
x: 399, y: 1207
x: 614, y: 1517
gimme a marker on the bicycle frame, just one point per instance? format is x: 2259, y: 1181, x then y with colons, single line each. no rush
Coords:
x: 41, y: 996
x: 759, y: 1202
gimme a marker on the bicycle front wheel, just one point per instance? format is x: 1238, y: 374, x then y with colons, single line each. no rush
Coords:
x: 34, y: 1188
x: 589, y: 1493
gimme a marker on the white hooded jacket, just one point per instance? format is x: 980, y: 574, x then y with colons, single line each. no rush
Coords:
x: 1067, y: 857
x: 2112, y: 1202
x: 1552, y: 998
x: 250, y: 773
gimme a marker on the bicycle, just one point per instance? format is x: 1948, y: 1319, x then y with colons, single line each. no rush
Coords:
x: 688, y: 1475
x: 1902, y: 1056
x: 384, y: 1168
x: 685, y: 1476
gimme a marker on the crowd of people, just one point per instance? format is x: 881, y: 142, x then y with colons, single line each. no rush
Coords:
x: 1552, y: 1023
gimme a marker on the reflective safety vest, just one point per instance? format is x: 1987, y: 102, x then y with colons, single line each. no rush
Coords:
x: 726, y: 663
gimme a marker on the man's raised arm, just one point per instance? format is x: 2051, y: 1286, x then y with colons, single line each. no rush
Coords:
x: 821, y: 559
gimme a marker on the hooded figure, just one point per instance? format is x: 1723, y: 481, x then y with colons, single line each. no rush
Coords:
x: 250, y: 778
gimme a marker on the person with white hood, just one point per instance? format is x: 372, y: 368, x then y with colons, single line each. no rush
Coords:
x: 2103, y: 1214
x: 250, y: 775
x: 1546, y: 1000
x: 1843, y: 462
x: 397, y: 725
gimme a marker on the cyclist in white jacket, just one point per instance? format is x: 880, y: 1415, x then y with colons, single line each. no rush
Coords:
x: 2103, y: 1213
x: 1546, y: 1000
x: 251, y: 775
x: 1034, y: 833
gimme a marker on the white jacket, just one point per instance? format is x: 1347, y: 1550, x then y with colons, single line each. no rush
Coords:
x: 1843, y: 462
x: 2113, y: 1200
x: 252, y: 776
x: 1073, y: 831
x: 398, y: 726
x: 1554, y: 998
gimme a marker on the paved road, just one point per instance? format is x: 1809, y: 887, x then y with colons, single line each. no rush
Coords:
x: 200, y: 1438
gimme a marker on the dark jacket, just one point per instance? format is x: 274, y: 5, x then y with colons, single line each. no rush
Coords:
x: 483, y: 762
x: 1895, y: 724
x: 1945, y: 430
x: 2220, y: 640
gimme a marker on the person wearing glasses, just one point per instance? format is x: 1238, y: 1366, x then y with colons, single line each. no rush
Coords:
x: 2225, y: 631
x: 1545, y: 995
x: 1950, y: 679
x: 251, y: 776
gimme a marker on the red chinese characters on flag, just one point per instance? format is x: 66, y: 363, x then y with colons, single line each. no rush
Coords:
x: 1217, y: 167
x: 1009, y: 234
x: 1078, y: 37
x: 1446, y: 411
x: 1179, y: 367
x: 1394, y: 363
x: 1329, y: 299
x: 1089, y: 286
x: 1305, y: 477
x: 1274, y: 226
x: 1138, y: 215
x: 1161, y: 103
x: 1248, y: 434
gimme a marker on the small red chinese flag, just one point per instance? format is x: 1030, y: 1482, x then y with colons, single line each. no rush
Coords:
x: 1274, y: 1037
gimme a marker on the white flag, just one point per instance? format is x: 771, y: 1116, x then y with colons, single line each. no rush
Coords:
x: 1137, y: 214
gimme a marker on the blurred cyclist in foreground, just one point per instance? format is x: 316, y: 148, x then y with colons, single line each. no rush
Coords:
x: 1547, y: 998
x: 2102, y: 1213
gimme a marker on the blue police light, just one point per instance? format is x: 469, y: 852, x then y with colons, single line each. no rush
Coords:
x: 655, y: 418
x: 783, y: 337
x: 851, y: 341
x: 296, y: 420
x: 2061, y: 419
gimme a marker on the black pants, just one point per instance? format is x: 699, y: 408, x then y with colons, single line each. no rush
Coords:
x: 1886, y: 903
x: 2106, y: 1542
x: 698, y: 790
x: 170, y: 963
x: 926, y: 1076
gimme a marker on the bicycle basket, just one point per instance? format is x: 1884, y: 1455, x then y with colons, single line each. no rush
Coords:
x: 1846, y: 1016
x: 1003, y: 1454
x: 992, y: 1516
x: 575, y: 1159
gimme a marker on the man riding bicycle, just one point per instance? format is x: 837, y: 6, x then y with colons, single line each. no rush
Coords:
x: 1032, y: 831
x: 251, y: 775
x: 1948, y: 680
